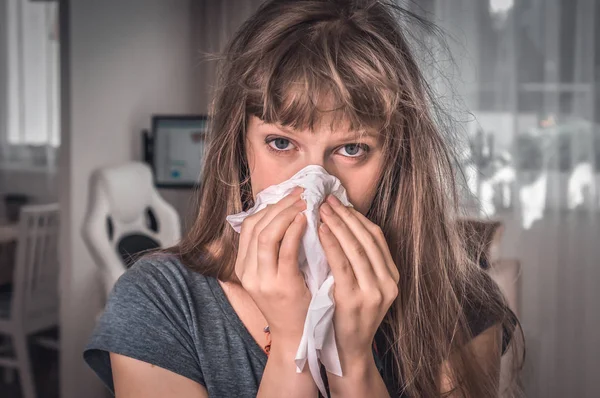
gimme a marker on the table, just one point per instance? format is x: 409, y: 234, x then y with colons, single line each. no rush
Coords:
x: 8, y: 232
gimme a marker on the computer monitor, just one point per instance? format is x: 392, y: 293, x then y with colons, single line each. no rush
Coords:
x: 177, y: 150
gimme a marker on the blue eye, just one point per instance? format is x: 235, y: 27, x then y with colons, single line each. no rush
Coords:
x: 279, y: 144
x: 354, y: 150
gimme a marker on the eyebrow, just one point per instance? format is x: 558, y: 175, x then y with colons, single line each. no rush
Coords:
x: 349, y: 135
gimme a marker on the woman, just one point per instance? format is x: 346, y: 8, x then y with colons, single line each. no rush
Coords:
x: 332, y: 83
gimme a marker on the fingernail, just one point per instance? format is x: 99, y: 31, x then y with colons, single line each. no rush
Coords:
x: 324, y: 228
x: 333, y: 200
x: 326, y: 209
x: 297, y: 190
x: 298, y: 217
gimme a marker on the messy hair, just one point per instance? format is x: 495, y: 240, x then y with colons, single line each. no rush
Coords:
x: 295, y: 62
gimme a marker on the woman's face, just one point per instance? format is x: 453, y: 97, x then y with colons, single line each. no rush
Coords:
x: 275, y: 154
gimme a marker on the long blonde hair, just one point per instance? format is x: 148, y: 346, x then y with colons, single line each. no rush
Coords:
x: 287, y: 62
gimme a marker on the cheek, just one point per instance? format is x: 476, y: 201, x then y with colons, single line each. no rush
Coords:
x: 264, y: 170
x: 361, y: 188
x: 361, y: 197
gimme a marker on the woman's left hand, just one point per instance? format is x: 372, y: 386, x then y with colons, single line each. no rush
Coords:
x: 366, y: 279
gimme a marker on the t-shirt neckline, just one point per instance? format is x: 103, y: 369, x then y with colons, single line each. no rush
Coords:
x: 235, y: 320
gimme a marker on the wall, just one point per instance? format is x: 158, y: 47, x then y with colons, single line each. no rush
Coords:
x: 121, y: 61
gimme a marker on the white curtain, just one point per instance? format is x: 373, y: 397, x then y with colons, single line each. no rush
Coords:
x: 29, y: 85
x: 526, y: 72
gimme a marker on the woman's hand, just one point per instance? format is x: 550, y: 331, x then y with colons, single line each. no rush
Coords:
x: 366, y: 284
x: 267, y: 266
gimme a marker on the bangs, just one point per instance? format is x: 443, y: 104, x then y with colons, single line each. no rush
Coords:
x: 324, y: 73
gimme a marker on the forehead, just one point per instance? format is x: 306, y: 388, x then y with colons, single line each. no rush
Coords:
x: 315, y: 108
x: 324, y: 126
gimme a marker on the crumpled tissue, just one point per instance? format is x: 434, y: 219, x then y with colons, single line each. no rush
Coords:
x: 318, y: 339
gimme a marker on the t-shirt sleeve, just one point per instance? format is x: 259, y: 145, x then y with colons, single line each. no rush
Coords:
x: 146, y: 318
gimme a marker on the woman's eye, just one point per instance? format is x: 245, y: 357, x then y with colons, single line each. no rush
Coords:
x: 280, y: 144
x: 353, y: 150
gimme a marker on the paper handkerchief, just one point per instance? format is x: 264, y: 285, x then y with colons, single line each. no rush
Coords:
x: 318, y: 339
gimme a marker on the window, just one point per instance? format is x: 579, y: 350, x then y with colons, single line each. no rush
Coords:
x: 29, y: 120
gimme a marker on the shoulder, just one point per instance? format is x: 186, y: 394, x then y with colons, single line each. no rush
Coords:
x: 159, y: 292
x: 160, y: 286
x: 160, y: 276
x: 151, y: 307
x: 157, y: 268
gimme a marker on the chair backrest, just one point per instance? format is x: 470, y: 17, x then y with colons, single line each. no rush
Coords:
x: 35, y: 290
x: 126, y: 216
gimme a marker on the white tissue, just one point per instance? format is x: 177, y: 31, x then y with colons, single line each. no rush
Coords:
x: 318, y: 340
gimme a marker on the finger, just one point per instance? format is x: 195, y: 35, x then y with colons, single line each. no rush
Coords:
x: 246, y: 231
x: 342, y: 271
x: 270, y: 213
x: 243, y: 264
x: 352, y: 247
x: 253, y: 224
x: 272, y: 210
x: 290, y: 248
x: 270, y: 238
x: 377, y: 233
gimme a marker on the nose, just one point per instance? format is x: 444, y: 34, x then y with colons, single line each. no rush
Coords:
x: 316, y: 153
x: 318, y: 160
x: 316, y: 157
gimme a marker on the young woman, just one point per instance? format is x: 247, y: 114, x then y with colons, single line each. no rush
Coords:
x: 332, y: 83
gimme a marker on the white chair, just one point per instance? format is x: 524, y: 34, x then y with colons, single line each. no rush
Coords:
x: 33, y: 304
x: 126, y: 216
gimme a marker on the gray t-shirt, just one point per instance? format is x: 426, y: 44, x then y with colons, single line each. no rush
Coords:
x: 162, y: 313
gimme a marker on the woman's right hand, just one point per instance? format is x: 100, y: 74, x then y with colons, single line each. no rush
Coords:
x: 267, y: 266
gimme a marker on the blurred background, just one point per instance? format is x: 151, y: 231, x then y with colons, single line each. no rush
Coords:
x: 81, y: 84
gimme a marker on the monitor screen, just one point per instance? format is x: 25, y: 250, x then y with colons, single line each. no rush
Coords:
x: 177, y: 150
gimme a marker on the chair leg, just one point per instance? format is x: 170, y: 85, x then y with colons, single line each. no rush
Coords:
x: 24, y: 363
x: 8, y: 375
